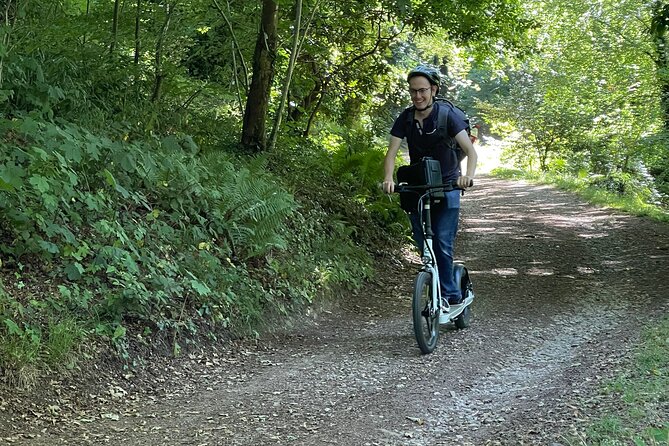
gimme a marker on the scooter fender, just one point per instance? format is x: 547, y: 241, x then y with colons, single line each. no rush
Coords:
x: 458, y: 272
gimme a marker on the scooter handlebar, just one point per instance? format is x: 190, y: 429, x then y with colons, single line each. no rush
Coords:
x: 403, y: 187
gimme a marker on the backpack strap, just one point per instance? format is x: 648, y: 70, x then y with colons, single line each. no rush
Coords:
x: 442, y: 119
x: 445, y: 108
x: 442, y: 122
x: 408, y: 123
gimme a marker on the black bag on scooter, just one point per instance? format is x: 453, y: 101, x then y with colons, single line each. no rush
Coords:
x: 426, y: 172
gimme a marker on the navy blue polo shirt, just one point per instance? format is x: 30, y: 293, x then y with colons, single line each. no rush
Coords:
x: 424, y: 141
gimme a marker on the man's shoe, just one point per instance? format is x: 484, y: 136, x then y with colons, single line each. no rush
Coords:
x: 455, y: 300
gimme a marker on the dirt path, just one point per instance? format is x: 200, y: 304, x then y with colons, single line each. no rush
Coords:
x: 562, y: 289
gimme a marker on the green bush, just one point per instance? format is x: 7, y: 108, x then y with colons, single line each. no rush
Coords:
x: 147, y: 227
x: 160, y: 236
x: 343, y: 182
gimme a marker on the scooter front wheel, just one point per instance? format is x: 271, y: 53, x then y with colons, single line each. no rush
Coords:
x: 425, y: 321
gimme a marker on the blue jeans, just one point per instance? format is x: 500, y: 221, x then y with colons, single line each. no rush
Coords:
x: 445, y: 227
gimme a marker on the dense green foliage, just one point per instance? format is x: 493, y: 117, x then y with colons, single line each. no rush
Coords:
x: 154, y: 235
x: 586, y: 101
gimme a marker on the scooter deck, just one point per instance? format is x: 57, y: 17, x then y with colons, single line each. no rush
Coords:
x: 451, y: 312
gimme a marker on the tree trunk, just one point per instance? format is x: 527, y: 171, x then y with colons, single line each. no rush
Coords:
x: 157, y: 88
x: 314, y: 112
x: 254, y: 138
x: 88, y: 12
x: 305, y: 104
x: 235, y: 45
x: 296, y: 112
x: 289, y: 75
x: 234, y: 69
x: 542, y: 160
x: 351, y: 61
x: 138, y: 15
x: 8, y: 18
x: 658, y: 30
x: 114, y: 36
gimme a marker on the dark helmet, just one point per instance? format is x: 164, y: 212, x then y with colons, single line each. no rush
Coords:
x: 431, y: 73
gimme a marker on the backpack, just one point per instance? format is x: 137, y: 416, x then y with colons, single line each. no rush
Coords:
x: 445, y: 107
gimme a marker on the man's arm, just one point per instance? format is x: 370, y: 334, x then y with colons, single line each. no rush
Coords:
x: 389, y: 164
x: 472, y: 158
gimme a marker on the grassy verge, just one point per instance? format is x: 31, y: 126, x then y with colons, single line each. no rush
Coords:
x: 642, y: 396
x: 636, y: 204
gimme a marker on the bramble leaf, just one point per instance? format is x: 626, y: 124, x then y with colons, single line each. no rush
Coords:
x: 74, y: 271
x: 49, y: 247
x: 93, y: 150
x: 119, y: 332
x: 13, y: 328
x: 109, y: 178
x: 12, y: 176
x: 40, y: 183
x: 72, y: 151
x: 29, y: 126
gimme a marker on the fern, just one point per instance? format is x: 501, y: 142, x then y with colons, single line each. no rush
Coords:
x: 253, y: 210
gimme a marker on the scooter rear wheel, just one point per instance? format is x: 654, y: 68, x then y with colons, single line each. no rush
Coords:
x: 467, y: 288
x: 425, y: 321
x: 464, y: 319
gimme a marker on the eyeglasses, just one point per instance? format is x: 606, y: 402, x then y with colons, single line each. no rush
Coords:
x: 415, y: 92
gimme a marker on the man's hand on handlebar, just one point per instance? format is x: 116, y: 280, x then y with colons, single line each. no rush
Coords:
x: 388, y: 186
x: 464, y: 182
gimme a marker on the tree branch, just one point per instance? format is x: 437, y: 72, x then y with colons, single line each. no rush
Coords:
x: 234, y: 39
x: 624, y: 37
x: 372, y: 50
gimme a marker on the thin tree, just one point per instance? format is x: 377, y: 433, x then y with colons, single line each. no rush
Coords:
x: 254, y: 138
x: 380, y: 40
x: 237, y: 89
x: 236, y: 46
x: 114, y: 37
x: 160, y: 75
x: 658, y: 29
x: 7, y: 23
x: 295, y: 53
x: 289, y: 74
x: 138, y: 15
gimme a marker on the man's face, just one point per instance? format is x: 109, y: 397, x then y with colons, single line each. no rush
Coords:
x: 421, y: 91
